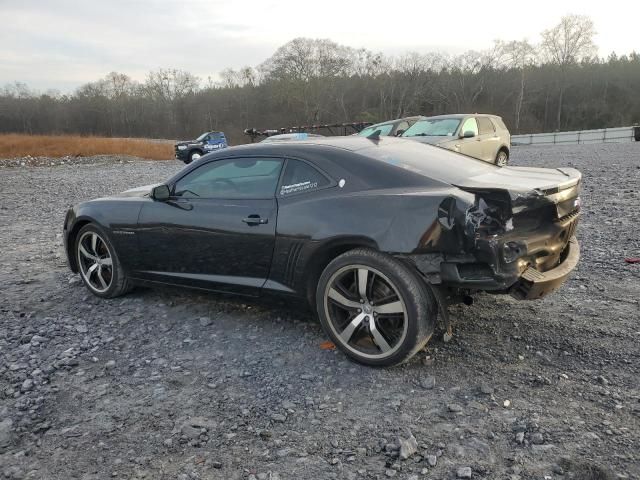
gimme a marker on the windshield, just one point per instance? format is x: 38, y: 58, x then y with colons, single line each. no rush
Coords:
x: 384, y: 130
x: 201, y: 137
x: 433, y: 127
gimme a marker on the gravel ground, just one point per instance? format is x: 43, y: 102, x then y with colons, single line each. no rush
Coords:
x: 165, y: 384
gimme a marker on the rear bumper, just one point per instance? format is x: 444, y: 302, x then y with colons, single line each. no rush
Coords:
x: 534, y: 284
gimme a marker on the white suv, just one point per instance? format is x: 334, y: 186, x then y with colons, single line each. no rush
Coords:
x: 477, y: 135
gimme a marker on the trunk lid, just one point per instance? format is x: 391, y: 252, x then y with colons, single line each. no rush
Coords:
x: 519, y: 180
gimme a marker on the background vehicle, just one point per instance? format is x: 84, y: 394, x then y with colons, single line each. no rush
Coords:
x: 330, y: 130
x: 391, y: 128
x: 374, y: 234
x: 190, y: 150
x: 477, y: 135
x: 286, y: 137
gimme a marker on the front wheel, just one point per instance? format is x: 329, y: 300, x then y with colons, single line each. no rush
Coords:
x: 502, y: 158
x: 193, y: 156
x: 375, y: 308
x: 98, y: 263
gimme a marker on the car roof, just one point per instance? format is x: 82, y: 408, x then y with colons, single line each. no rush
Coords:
x: 383, y: 162
x: 295, y: 135
x: 351, y: 143
x: 460, y: 115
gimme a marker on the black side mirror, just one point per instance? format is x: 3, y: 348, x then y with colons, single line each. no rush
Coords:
x: 468, y: 134
x: 161, y: 193
x: 400, y: 132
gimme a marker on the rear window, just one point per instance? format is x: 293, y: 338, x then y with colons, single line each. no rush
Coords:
x: 485, y: 126
x: 301, y: 177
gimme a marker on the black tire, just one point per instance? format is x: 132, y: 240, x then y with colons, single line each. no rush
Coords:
x: 502, y: 158
x: 400, y: 285
x: 118, y: 284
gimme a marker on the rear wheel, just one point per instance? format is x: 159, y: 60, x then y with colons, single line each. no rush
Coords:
x: 502, y: 158
x: 375, y: 308
x: 98, y: 263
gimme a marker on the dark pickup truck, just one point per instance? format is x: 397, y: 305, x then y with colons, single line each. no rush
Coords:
x: 190, y: 150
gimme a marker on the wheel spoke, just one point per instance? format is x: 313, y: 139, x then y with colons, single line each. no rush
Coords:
x: 341, y: 300
x: 85, y: 253
x: 347, y: 333
x: 378, y: 339
x: 392, y: 307
x: 363, y: 276
x: 106, y: 262
x: 99, y: 275
x: 91, y: 269
x: 94, y: 244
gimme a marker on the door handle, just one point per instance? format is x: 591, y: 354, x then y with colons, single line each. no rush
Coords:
x: 255, y: 220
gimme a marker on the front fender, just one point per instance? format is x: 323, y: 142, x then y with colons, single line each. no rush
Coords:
x: 118, y: 219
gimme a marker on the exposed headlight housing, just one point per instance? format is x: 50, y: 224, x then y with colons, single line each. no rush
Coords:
x: 511, y: 251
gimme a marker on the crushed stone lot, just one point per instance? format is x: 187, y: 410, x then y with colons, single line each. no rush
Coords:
x: 173, y: 384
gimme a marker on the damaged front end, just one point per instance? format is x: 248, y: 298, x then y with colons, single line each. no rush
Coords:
x: 513, y: 240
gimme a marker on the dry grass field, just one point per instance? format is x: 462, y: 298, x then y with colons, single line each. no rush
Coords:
x: 18, y: 145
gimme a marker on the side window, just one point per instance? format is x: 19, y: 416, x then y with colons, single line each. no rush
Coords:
x: 248, y: 178
x: 470, y: 124
x: 499, y: 123
x: 301, y: 177
x: 485, y: 126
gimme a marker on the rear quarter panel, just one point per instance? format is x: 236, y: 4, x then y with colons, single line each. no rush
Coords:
x: 397, y: 222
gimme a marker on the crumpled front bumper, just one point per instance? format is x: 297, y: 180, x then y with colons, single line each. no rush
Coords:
x: 534, y: 284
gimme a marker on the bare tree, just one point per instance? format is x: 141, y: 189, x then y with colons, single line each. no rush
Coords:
x: 567, y: 43
x: 517, y: 55
x: 310, y: 81
x: 171, y: 83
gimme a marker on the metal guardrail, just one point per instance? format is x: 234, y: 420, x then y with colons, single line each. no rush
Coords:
x: 601, y: 135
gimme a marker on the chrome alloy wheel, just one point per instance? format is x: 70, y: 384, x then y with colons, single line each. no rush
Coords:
x: 365, y: 311
x: 195, y: 156
x: 95, y: 262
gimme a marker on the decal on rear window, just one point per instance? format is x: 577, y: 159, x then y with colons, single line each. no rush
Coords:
x: 297, y: 187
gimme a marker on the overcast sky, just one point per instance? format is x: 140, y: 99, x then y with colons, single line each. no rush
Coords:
x: 62, y: 44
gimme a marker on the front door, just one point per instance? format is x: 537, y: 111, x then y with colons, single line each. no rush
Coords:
x: 216, y: 231
x: 471, y: 146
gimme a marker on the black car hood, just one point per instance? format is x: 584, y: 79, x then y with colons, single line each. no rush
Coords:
x: 135, y: 192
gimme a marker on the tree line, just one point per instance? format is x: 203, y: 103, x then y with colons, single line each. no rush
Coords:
x: 558, y: 84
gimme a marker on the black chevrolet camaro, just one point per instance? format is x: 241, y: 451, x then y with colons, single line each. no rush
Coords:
x: 379, y: 235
